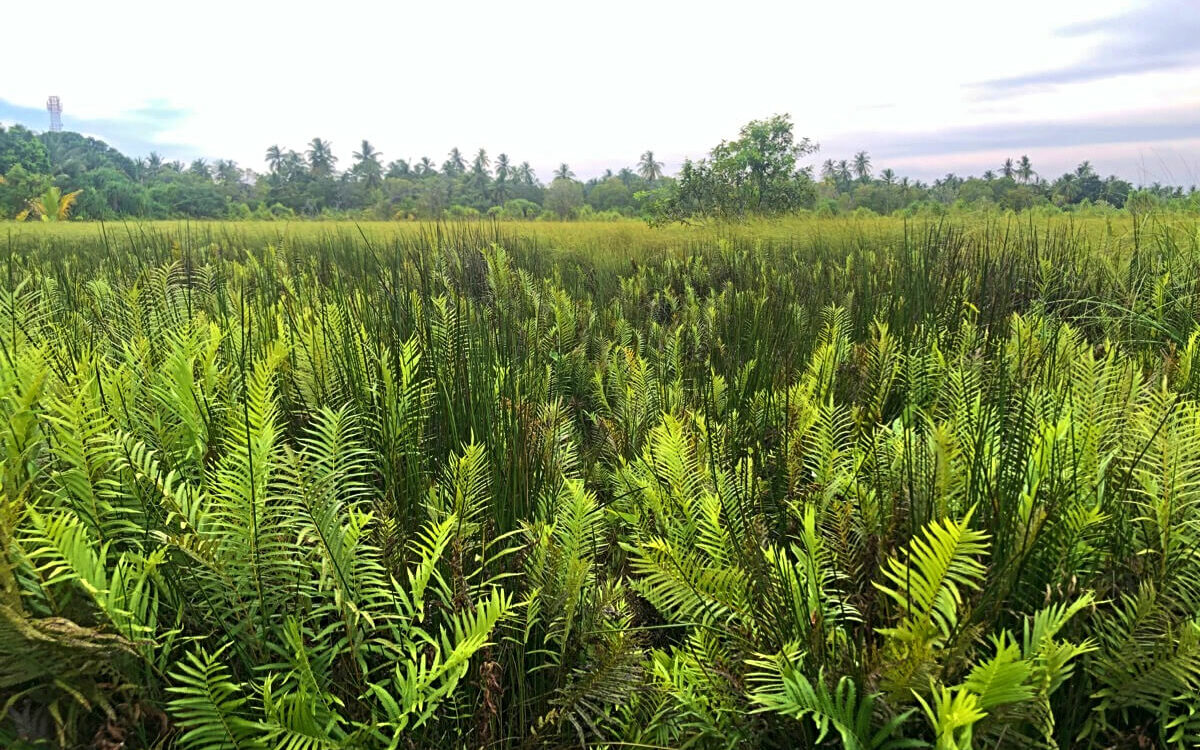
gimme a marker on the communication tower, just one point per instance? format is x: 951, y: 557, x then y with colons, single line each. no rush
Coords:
x: 54, y: 107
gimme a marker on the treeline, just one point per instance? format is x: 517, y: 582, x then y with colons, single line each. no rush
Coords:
x: 754, y: 174
x: 852, y: 185
x: 307, y: 183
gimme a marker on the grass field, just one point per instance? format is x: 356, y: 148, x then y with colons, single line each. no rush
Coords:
x: 852, y: 482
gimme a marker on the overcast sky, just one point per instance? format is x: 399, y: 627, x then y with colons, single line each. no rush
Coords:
x: 927, y: 86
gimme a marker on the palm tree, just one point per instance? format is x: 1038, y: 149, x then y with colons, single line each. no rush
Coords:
x: 51, y: 205
x: 1067, y: 187
x: 481, y: 164
x: 1007, y: 169
x: 454, y: 164
x: 227, y: 172
x: 293, y: 164
x: 862, y: 166
x: 367, y: 165
x: 829, y: 170
x: 888, y: 176
x: 274, y: 158
x: 649, y: 169
x: 503, y: 168
x: 199, y: 167
x: 500, y: 184
x: 563, y: 172
x: 1025, y: 169
x: 425, y: 167
x: 400, y: 168
x: 843, y: 171
x: 989, y: 175
x: 320, y: 157
x: 525, y: 174
x: 481, y: 176
x: 626, y: 176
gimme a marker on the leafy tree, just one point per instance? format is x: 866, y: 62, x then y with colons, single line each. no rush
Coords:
x: 519, y: 208
x: 564, y: 197
x: 19, y: 146
x: 610, y: 195
x: 756, y: 173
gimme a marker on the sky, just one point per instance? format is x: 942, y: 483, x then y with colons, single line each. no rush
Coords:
x: 926, y: 86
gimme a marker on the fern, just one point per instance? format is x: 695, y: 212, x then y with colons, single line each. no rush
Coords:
x: 779, y: 686
x: 927, y: 586
x: 209, y: 706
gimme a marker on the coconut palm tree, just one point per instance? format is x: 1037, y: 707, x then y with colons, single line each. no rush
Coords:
x: 400, y: 168
x: 843, y: 171
x: 425, y: 167
x: 367, y: 165
x: 227, y: 172
x: 1007, y: 169
x: 200, y: 168
x: 888, y: 176
x: 862, y: 166
x: 500, y: 184
x: 1025, y: 169
x: 454, y: 164
x: 649, y: 169
x: 829, y: 170
x: 564, y: 172
x: 51, y: 205
x: 320, y: 157
x: 274, y: 158
x: 525, y: 174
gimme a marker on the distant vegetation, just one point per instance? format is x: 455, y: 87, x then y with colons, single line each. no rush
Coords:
x: 756, y: 173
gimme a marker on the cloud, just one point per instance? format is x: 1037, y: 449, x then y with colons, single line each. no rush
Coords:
x: 1159, y: 35
x: 136, y: 133
x: 1142, y: 127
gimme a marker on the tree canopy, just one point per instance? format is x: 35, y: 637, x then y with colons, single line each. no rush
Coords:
x: 758, y: 173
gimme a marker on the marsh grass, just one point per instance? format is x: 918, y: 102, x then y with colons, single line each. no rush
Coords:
x: 868, y: 482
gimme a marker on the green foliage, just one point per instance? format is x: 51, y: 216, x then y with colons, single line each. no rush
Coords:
x: 756, y: 174
x: 923, y: 485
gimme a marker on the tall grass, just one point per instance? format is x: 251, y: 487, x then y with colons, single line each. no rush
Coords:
x: 864, y: 483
